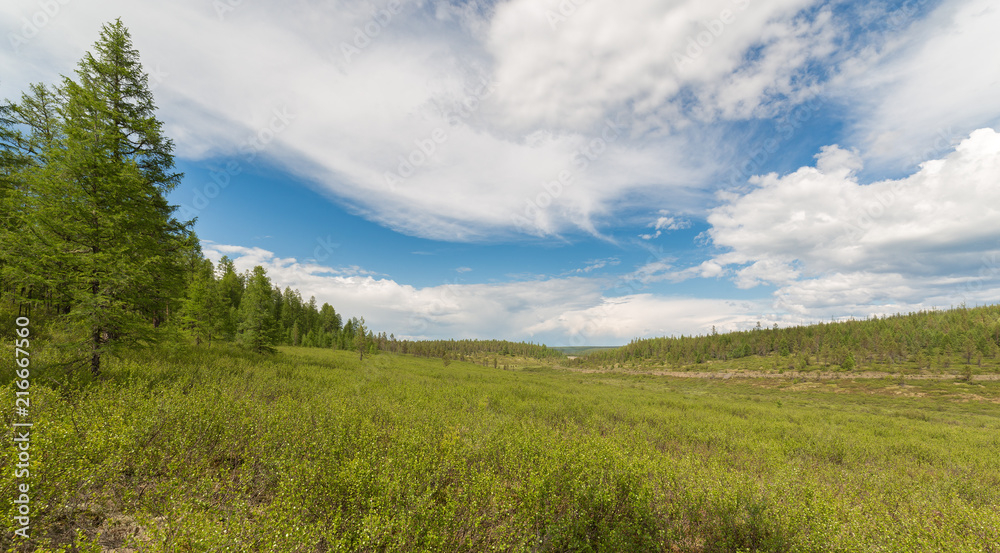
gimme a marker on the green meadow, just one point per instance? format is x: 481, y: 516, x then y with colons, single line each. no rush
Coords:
x: 217, y: 449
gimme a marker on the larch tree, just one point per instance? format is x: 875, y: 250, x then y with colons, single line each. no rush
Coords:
x: 205, y: 312
x: 102, y: 230
x: 29, y: 134
x: 231, y: 287
x: 257, y: 329
x: 360, y: 337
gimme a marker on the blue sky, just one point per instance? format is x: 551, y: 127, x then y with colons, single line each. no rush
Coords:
x: 578, y: 171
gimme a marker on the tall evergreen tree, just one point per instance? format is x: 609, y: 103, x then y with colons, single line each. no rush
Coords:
x: 10, y: 163
x: 29, y: 133
x: 257, y: 330
x: 231, y: 286
x: 205, y: 312
x: 361, y: 340
x: 103, y: 231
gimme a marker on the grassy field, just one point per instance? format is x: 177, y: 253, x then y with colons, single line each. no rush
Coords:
x: 314, y: 450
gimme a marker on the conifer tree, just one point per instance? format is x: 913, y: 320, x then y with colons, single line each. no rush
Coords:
x: 205, y: 312
x: 257, y: 330
x: 360, y: 337
x: 97, y: 220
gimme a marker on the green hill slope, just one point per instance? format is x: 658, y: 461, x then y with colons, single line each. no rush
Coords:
x: 956, y: 340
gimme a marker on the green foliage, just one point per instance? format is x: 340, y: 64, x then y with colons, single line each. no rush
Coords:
x: 320, y: 451
x: 438, y: 348
x: 361, y: 341
x: 257, y: 330
x: 96, y: 237
x: 915, y: 340
x: 205, y: 312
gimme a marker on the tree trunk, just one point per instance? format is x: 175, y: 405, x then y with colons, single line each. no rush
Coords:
x: 95, y: 356
x: 95, y: 341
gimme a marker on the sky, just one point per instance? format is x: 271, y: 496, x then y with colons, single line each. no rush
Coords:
x: 573, y: 172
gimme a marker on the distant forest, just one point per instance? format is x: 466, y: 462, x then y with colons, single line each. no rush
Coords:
x: 971, y: 335
x: 458, y: 349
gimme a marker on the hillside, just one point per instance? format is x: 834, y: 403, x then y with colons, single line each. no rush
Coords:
x: 955, y: 340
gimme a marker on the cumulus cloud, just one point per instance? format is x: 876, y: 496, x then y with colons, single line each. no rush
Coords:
x: 667, y: 223
x: 615, y: 320
x: 557, y: 311
x: 830, y: 242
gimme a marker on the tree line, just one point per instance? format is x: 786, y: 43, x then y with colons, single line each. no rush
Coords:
x: 222, y: 304
x: 458, y: 349
x: 972, y: 334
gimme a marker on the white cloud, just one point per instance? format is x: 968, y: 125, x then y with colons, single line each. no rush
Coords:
x: 928, y: 87
x: 596, y: 264
x: 352, y: 115
x: 565, y: 66
x: 832, y: 243
x: 557, y: 311
x: 444, y: 311
x: 615, y: 320
x: 665, y: 223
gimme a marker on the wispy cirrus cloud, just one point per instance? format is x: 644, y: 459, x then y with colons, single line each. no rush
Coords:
x: 446, y: 121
